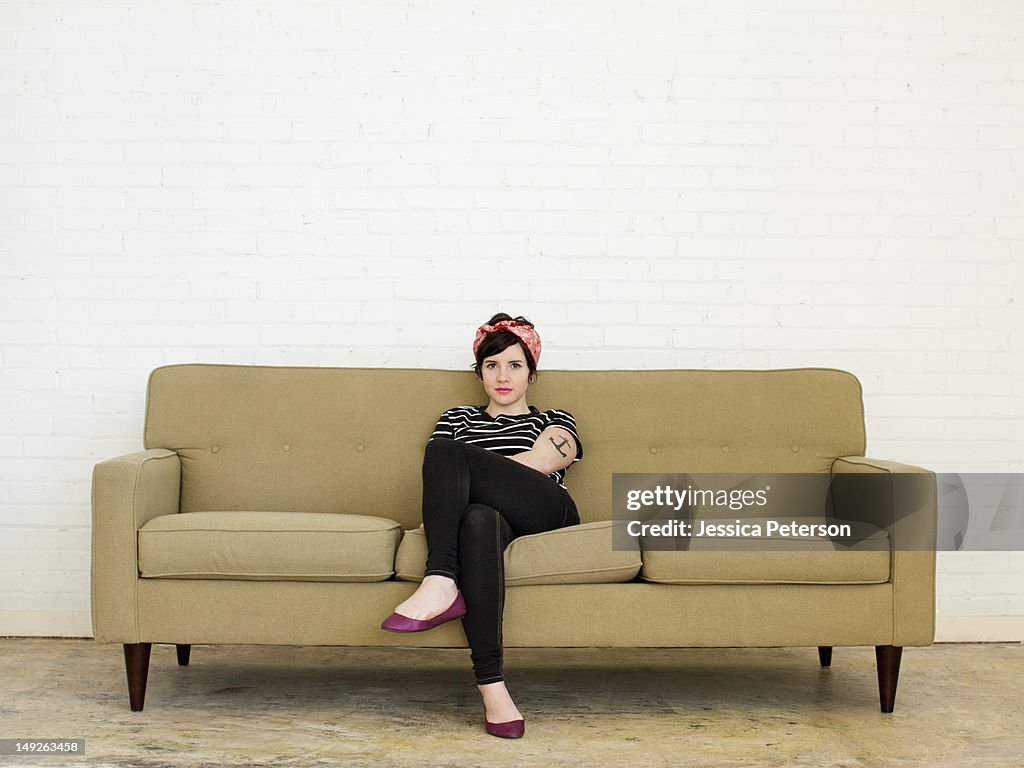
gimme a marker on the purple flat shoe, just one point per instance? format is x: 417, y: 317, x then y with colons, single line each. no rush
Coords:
x: 396, y: 622
x: 513, y: 729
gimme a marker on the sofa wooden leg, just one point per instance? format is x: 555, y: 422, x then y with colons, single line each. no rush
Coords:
x: 136, y: 664
x: 183, y: 654
x: 825, y: 655
x: 887, y: 658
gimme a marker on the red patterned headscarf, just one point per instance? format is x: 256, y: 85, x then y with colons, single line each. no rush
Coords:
x: 525, y: 332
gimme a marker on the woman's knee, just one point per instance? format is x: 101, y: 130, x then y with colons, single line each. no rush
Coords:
x: 441, y: 450
x: 478, y: 519
x: 441, y: 444
x: 481, y: 527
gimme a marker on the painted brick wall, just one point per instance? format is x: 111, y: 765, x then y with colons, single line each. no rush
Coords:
x: 657, y: 184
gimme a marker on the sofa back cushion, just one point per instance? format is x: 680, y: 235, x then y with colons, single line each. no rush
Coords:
x: 350, y: 440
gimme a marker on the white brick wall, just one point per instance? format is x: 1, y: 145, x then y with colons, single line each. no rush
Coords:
x: 657, y: 184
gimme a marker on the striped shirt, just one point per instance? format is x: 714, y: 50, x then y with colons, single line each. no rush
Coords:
x: 507, y: 434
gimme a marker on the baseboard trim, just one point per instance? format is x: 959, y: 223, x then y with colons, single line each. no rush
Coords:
x: 45, y: 624
x: 979, y: 629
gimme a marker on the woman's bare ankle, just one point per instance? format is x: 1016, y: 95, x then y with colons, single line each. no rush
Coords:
x: 444, y: 583
x: 433, y: 596
x: 498, y: 704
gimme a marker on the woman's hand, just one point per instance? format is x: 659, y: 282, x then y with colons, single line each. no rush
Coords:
x: 555, y: 449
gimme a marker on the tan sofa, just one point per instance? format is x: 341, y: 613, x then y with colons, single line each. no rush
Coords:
x: 279, y: 505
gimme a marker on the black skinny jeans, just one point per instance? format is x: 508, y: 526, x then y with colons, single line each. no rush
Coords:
x: 475, y: 502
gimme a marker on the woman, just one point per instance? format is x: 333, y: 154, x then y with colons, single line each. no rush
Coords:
x: 490, y: 473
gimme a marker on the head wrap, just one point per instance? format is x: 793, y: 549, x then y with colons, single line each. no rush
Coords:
x: 525, y: 332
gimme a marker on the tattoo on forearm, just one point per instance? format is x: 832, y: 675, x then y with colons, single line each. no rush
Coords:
x: 559, y: 446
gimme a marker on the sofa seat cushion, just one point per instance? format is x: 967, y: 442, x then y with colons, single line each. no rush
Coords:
x: 863, y: 558
x: 577, y: 554
x: 268, y: 546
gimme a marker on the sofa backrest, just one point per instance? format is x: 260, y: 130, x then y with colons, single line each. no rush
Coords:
x: 351, y: 440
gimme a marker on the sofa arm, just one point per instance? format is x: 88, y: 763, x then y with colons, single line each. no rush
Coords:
x: 127, y: 492
x: 902, y: 499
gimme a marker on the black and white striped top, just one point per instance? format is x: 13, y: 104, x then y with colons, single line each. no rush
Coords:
x: 506, y: 435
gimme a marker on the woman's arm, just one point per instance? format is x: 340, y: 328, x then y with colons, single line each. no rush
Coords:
x: 555, y: 449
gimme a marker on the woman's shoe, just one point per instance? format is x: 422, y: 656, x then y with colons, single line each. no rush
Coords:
x: 396, y: 622
x: 513, y: 729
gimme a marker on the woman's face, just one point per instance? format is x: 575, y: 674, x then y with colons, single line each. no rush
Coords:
x: 506, y: 376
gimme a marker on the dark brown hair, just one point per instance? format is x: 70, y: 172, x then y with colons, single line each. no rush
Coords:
x: 498, y: 341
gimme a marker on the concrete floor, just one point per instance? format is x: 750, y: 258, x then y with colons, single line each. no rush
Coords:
x: 957, y: 705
